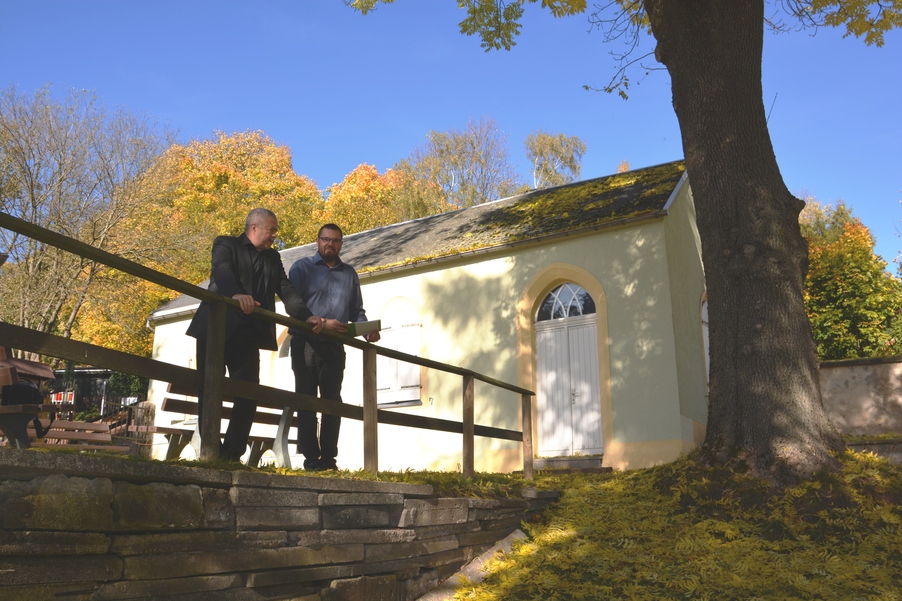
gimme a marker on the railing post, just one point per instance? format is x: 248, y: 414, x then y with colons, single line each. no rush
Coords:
x: 468, y: 427
x: 526, y: 427
x: 214, y: 375
x: 370, y: 412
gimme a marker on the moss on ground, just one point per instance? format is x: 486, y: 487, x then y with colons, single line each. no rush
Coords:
x: 681, y: 531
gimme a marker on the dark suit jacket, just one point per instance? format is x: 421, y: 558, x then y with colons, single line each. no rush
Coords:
x: 232, y: 273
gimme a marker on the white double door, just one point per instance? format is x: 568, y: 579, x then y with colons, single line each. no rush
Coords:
x: 568, y: 395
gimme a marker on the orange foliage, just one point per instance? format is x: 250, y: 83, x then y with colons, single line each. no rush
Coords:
x: 363, y: 200
x: 218, y: 181
x: 195, y: 192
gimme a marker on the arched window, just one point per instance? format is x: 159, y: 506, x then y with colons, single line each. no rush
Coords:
x: 567, y: 300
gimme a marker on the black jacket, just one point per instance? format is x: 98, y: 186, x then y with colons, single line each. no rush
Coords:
x: 232, y: 273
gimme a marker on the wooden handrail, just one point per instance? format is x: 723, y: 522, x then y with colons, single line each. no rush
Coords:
x: 187, y: 379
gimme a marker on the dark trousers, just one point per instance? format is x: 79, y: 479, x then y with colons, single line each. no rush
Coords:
x: 242, y: 360
x: 318, y: 365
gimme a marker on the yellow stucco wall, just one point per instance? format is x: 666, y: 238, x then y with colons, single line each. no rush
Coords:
x: 687, y: 289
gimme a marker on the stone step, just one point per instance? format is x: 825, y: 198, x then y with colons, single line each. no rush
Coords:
x: 571, y: 464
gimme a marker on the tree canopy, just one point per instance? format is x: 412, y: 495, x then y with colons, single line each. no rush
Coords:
x: 854, y: 305
x: 556, y: 159
x: 362, y: 200
x: 469, y: 166
x: 216, y: 182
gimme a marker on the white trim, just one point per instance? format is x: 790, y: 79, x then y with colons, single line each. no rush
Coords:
x: 676, y: 191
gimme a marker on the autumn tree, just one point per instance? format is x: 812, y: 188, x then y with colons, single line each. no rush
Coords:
x: 556, y: 159
x: 414, y: 196
x: 214, y: 183
x: 362, y: 200
x: 469, y: 166
x: 194, y: 193
x: 764, y: 394
x: 854, y: 305
x: 116, y: 313
x: 73, y: 167
x: 220, y: 179
x: 824, y: 224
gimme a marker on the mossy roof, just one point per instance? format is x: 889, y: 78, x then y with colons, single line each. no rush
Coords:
x: 536, y: 214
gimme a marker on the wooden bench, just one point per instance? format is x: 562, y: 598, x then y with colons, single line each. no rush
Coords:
x: 82, y: 436
x: 179, y: 438
x: 15, y: 419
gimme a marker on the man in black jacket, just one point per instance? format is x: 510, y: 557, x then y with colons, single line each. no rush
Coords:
x: 250, y: 271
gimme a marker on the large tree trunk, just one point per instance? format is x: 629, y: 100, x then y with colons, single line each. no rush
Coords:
x: 764, y: 402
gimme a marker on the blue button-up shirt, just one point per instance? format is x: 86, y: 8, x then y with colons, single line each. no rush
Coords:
x: 330, y: 292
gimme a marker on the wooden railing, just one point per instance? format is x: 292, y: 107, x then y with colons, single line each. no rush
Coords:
x: 212, y: 380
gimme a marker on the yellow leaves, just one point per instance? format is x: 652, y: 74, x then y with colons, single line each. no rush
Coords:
x: 625, y: 536
x: 558, y: 535
x: 362, y: 200
x: 365, y: 6
x: 563, y: 8
x: 114, y: 316
x: 868, y: 18
x: 220, y: 180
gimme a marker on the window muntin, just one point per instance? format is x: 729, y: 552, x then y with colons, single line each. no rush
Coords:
x: 567, y: 300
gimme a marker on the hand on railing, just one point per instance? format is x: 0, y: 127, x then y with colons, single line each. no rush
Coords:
x: 247, y: 302
x: 335, y: 325
x: 317, y: 323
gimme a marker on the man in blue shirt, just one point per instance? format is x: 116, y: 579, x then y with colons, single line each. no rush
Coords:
x: 331, y: 290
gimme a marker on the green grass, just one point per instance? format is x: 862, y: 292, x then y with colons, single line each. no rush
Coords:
x: 680, y: 531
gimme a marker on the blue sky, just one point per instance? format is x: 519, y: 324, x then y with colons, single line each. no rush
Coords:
x: 340, y: 89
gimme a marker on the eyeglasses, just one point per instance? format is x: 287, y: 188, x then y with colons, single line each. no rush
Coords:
x: 326, y: 239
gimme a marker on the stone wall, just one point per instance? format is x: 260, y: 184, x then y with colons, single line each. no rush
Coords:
x: 100, y: 528
x: 863, y: 396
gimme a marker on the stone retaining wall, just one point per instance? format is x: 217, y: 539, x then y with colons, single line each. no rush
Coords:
x: 98, y: 528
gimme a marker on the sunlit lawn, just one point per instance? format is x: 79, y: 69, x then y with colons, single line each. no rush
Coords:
x: 681, y: 532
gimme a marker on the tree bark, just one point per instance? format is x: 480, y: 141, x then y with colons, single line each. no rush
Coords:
x: 765, y: 403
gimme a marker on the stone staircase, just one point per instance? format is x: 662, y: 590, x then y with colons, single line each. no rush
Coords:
x: 575, y: 464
